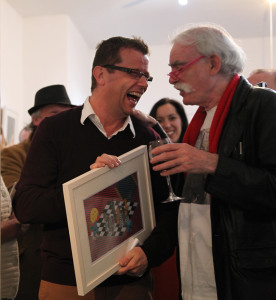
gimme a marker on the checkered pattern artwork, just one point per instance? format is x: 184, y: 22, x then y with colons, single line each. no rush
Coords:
x: 113, y: 215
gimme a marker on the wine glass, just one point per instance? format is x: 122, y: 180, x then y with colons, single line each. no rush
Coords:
x: 153, y: 144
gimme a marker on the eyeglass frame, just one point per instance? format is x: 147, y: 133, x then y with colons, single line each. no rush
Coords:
x: 177, y: 72
x: 134, y: 72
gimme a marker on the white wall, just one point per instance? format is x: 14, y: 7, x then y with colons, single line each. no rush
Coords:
x: 258, y: 53
x: 44, y: 55
x: 55, y: 53
x: 36, y: 52
x: 79, y: 64
x: 11, y: 60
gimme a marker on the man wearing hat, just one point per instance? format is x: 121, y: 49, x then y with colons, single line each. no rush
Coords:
x: 49, y: 101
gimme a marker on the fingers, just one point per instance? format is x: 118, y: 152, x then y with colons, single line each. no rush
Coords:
x: 134, y: 263
x: 172, y: 158
x: 175, y: 158
x: 106, y: 160
x: 165, y: 153
x: 166, y: 148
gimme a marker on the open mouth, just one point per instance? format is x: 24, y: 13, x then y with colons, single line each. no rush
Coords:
x: 134, y: 97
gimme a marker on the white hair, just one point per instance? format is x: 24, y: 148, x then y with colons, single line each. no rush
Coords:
x: 37, y: 113
x: 209, y: 39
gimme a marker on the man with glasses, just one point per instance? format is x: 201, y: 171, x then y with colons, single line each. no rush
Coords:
x: 227, y: 221
x: 65, y: 146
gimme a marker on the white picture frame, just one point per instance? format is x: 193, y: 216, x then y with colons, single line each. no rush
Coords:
x: 9, y: 125
x: 107, y: 211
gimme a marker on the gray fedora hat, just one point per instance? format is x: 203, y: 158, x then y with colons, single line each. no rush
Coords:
x: 52, y: 94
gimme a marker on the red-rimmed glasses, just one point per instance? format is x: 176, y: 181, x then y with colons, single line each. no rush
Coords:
x: 174, y: 74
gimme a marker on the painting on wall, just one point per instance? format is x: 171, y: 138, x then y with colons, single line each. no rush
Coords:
x: 9, y: 123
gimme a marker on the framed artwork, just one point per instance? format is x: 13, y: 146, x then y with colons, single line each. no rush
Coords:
x: 108, y: 210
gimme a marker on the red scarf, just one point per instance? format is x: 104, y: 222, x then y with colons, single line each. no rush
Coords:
x: 194, y: 127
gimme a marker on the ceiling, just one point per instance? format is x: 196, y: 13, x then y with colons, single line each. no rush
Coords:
x: 153, y: 20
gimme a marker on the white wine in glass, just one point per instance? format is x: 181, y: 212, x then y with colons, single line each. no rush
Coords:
x: 153, y: 144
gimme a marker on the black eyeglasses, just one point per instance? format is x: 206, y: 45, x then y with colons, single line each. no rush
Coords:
x: 135, y: 74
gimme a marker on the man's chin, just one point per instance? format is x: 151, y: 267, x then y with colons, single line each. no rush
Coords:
x: 187, y: 100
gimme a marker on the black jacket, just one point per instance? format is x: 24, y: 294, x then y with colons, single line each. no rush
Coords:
x: 243, y: 190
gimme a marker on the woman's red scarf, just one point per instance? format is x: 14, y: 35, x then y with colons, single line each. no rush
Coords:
x: 196, y: 123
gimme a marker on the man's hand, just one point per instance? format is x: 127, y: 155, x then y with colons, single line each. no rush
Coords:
x: 134, y: 263
x: 106, y: 160
x: 148, y: 120
x: 176, y: 158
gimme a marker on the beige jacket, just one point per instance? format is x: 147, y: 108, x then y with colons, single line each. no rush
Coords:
x: 12, y: 161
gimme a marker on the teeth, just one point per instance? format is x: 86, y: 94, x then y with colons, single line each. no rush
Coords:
x: 136, y: 94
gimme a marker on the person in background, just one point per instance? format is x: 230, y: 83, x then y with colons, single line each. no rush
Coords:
x: 73, y: 142
x: 49, y: 101
x: 263, y: 75
x: 26, y: 132
x: 227, y: 241
x: 172, y: 117
x: 10, y: 229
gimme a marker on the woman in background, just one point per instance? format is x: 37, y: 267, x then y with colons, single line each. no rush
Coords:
x: 171, y: 116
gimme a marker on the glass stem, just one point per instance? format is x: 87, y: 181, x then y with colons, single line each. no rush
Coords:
x: 169, y: 185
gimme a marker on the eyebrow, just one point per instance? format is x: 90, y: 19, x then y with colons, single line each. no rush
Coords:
x: 177, y: 63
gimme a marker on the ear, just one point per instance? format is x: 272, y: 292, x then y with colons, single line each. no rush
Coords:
x: 215, y: 64
x: 36, y: 120
x: 98, y: 73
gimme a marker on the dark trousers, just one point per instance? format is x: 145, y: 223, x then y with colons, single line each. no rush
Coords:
x: 138, y: 290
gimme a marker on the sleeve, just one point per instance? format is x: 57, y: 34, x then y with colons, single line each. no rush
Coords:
x: 12, y: 161
x: 247, y: 179
x: 38, y: 197
x: 159, y: 246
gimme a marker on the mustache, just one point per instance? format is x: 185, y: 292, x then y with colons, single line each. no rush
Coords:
x: 181, y: 86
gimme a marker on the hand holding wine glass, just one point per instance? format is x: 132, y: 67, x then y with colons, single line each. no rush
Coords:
x: 153, y: 144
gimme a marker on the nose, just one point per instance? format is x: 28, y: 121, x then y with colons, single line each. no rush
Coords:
x: 143, y: 82
x: 166, y: 124
x: 172, y: 79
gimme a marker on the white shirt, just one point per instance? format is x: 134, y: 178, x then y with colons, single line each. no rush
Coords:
x: 88, y: 112
x: 194, y: 230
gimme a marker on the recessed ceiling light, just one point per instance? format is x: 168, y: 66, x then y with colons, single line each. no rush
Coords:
x: 185, y: 2
x: 272, y: 1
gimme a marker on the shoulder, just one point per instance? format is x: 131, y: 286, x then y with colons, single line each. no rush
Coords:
x: 253, y: 97
x: 18, y: 149
x: 60, y: 122
x: 143, y: 129
x: 72, y: 113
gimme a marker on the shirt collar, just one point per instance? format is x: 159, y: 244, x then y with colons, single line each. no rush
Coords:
x: 88, y: 112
